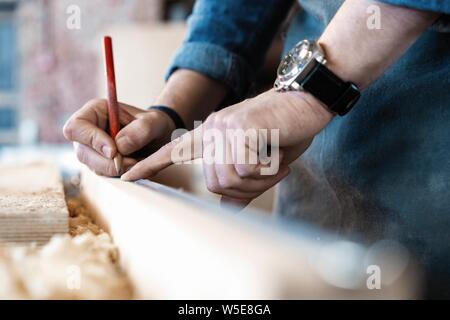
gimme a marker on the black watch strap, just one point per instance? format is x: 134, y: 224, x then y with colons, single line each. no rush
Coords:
x: 179, y: 123
x: 339, y: 96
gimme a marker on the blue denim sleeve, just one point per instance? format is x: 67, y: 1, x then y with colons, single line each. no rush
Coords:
x: 227, y: 40
x: 440, y: 6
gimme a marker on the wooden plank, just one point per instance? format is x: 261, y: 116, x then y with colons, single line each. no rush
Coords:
x: 178, y: 247
x: 32, y: 204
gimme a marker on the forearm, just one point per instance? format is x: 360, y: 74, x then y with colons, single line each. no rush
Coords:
x: 359, y: 54
x: 192, y: 95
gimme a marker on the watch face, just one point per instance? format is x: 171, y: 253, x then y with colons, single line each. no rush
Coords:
x: 295, y: 62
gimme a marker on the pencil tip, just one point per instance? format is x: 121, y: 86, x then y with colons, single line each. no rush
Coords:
x: 118, y: 163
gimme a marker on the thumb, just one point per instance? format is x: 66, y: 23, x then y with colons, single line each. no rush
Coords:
x: 137, y: 134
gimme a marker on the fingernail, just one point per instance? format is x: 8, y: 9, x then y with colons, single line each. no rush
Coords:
x: 107, y: 152
x: 125, y: 177
x: 123, y: 142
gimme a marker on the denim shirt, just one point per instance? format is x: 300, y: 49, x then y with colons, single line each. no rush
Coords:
x: 382, y: 171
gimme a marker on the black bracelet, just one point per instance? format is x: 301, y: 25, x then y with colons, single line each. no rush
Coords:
x: 179, y: 123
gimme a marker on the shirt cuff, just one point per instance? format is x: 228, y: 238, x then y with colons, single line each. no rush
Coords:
x: 216, y: 63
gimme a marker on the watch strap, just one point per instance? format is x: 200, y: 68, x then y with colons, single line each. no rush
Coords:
x: 179, y: 123
x: 339, y: 96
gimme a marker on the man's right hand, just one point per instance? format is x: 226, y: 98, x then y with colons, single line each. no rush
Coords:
x: 191, y: 94
x: 143, y: 132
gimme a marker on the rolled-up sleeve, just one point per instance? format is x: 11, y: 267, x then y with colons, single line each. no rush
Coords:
x: 227, y: 40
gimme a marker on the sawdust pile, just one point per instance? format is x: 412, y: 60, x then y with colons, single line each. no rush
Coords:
x: 79, y: 220
x: 82, y: 265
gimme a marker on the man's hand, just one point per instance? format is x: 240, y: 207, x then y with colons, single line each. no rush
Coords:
x: 143, y: 131
x: 295, y: 116
x: 190, y: 94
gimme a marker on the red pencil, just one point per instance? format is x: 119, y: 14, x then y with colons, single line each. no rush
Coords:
x: 113, y: 105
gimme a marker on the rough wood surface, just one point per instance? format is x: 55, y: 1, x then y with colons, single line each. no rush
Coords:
x: 32, y: 204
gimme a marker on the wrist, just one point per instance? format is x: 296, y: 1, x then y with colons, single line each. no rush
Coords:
x: 163, y: 118
x: 172, y: 114
x: 345, y: 63
x: 310, y: 111
x: 321, y: 112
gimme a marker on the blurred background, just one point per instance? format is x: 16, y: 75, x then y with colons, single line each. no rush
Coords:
x: 51, y: 63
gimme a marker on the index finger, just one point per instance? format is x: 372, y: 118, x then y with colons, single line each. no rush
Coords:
x: 185, y: 148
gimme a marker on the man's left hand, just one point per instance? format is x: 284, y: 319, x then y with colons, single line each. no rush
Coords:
x: 273, y: 129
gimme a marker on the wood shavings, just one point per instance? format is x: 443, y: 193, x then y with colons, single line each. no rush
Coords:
x: 82, y: 265
x: 79, y: 220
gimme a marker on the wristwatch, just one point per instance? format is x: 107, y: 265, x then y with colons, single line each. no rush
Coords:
x: 304, y: 68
